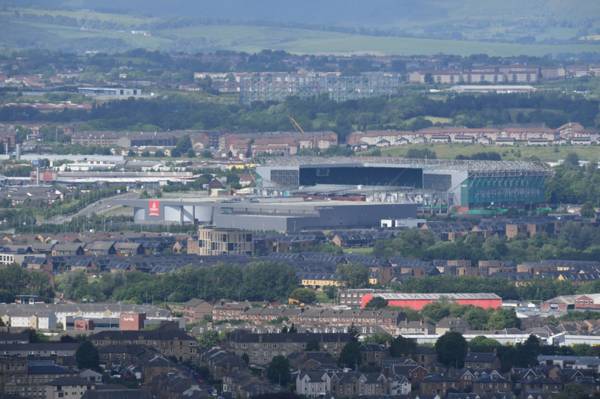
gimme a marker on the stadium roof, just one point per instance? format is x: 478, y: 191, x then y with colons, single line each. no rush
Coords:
x: 466, y: 165
x: 432, y: 296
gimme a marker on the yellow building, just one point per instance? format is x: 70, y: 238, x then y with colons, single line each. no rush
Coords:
x: 320, y: 280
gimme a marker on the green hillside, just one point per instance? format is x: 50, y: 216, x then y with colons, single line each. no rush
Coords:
x: 451, y: 26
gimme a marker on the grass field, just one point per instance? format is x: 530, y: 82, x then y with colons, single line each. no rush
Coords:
x: 549, y: 154
x: 253, y: 38
x: 359, y: 251
x: 23, y: 33
x: 129, y: 20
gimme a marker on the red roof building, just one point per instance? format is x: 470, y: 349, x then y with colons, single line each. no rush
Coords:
x: 419, y: 301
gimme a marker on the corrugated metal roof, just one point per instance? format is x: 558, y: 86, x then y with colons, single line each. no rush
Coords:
x: 437, y: 296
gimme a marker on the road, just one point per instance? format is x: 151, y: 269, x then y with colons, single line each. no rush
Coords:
x: 99, y: 207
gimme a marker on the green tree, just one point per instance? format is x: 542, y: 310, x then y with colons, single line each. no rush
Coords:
x: 477, y: 318
x: 354, y: 275
x: 573, y: 391
x: 503, y: 318
x: 350, y: 355
x: 312, y: 345
x: 401, y: 346
x: 15, y: 280
x: 451, y: 349
x: 494, y: 247
x: 588, y: 210
x: 380, y: 338
x: 304, y: 295
x: 572, y: 160
x: 330, y: 292
x: 526, y: 354
x: 183, y: 145
x: 483, y: 344
x: 87, y: 356
x: 436, y: 311
x: 585, y: 350
x: 209, y: 339
x: 411, y: 243
x: 377, y: 303
x: 278, y: 371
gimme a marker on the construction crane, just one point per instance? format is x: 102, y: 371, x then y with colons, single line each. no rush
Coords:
x: 296, y: 125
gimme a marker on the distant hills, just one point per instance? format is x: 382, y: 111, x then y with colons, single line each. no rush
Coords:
x: 311, y: 26
x: 340, y: 12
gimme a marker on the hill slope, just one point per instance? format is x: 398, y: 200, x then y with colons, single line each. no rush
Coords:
x: 497, y: 27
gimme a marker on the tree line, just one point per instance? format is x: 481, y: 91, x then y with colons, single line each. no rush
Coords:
x: 533, y: 290
x: 574, y: 241
x: 256, y: 281
x: 575, y: 184
x: 321, y: 113
x: 476, y: 318
x: 15, y: 280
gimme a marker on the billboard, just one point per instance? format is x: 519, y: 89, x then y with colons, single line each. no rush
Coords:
x: 154, y: 208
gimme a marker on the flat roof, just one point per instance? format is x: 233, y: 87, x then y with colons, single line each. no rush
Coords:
x: 428, y: 164
x: 143, y: 202
x: 437, y: 296
x: 274, y: 202
x: 492, y: 87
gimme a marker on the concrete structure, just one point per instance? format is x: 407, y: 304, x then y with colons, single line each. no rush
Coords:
x: 277, y: 86
x: 132, y: 321
x: 469, y: 184
x: 42, y: 316
x: 497, y: 89
x: 291, y: 216
x: 571, y: 362
x: 116, y: 177
x: 286, y: 215
x: 500, y: 136
x: 213, y: 241
x: 261, y: 348
x: 564, y: 303
x: 167, y: 340
x: 486, y: 75
x: 419, y: 301
x: 68, y: 388
x: 178, y: 211
x: 274, y: 143
x: 110, y: 93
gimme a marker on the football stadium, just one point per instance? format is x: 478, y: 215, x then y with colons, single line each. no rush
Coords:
x: 466, y: 184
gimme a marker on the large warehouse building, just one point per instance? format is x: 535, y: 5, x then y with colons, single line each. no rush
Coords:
x: 469, y: 184
x: 292, y: 216
x: 419, y: 301
x: 284, y: 215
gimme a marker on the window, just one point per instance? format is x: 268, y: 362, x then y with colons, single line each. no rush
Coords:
x: 321, y: 172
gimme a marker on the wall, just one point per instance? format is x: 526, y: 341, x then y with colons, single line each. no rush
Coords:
x: 327, y: 217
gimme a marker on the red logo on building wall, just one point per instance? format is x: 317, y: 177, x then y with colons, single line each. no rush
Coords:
x: 154, y: 208
x: 48, y: 176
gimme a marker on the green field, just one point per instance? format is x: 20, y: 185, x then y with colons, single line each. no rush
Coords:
x: 96, y: 31
x: 549, y: 154
x: 359, y: 251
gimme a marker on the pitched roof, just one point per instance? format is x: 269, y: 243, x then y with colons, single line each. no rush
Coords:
x: 116, y: 393
x: 243, y: 336
x: 161, y: 334
x: 70, y: 381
